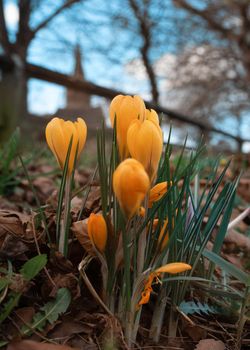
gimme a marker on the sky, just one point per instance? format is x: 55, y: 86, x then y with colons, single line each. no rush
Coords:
x: 46, y: 98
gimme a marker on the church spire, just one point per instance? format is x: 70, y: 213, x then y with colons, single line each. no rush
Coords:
x: 77, y: 100
x: 78, y: 72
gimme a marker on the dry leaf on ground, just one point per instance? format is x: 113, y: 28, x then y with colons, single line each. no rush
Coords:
x: 32, y: 345
x: 210, y: 344
x: 238, y: 240
x: 79, y: 228
x: 14, y: 222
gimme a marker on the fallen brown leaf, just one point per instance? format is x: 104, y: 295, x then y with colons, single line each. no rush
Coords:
x: 237, y: 240
x: 61, y: 263
x: 69, y: 281
x: 24, y: 315
x: 32, y: 345
x: 14, y: 222
x: 195, y: 332
x: 11, y: 247
x: 44, y: 185
x: 79, y: 228
x: 210, y: 344
x: 68, y: 328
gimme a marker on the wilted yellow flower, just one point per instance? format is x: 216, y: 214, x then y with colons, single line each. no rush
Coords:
x: 145, y: 144
x: 171, y: 268
x: 125, y: 109
x: 58, y: 135
x: 130, y: 183
x: 97, y: 231
x: 157, y: 192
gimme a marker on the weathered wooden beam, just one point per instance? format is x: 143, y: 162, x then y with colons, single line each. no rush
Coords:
x: 41, y: 73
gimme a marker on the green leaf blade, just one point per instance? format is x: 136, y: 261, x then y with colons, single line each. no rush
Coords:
x: 33, y: 266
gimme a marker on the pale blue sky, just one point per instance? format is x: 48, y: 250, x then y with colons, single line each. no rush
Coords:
x: 47, y: 50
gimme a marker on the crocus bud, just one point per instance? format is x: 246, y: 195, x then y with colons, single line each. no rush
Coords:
x: 58, y: 135
x: 145, y: 144
x: 130, y: 183
x: 157, y: 192
x: 97, y: 231
x: 125, y: 109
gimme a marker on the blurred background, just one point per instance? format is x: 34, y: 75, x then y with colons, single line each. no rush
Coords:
x: 189, y: 58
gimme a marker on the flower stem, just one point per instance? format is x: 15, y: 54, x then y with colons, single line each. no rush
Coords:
x: 63, y: 240
x: 242, y: 318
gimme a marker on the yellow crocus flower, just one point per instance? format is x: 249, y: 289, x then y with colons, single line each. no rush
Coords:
x: 97, y: 231
x: 125, y: 109
x: 58, y: 135
x: 145, y: 142
x: 130, y: 184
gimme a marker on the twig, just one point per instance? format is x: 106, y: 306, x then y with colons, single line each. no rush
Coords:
x: 92, y: 291
x: 239, y: 218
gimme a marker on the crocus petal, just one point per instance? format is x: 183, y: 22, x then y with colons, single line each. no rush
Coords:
x: 157, y: 192
x: 81, y: 128
x: 173, y: 268
x: 130, y: 183
x: 125, y: 109
x: 97, y: 231
x: 145, y: 296
x: 145, y: 144
x: 150, y: 114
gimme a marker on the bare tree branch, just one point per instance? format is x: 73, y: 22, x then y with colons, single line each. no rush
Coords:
x: 145, y: 30
x: 44, y: 23
x: 204, y: 14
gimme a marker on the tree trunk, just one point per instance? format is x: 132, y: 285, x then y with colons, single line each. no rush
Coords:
x: 13, y: 100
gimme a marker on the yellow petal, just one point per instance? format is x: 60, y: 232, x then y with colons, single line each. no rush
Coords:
x: 81, y: 128
x: 145, y: 296
x: 152, y: 116
x: 145, y: 144
x: 173, y: 268
x: 126, y: 109
x: 97, y: 231
x: 130, y: 183
x: 157, y: 192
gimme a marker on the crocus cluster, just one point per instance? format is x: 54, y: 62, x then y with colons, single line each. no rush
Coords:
x: 138, y: 132
x: 140, y: 142
x: 139, y: 136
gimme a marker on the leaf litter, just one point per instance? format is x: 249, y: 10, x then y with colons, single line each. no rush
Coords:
x: 45, y: 312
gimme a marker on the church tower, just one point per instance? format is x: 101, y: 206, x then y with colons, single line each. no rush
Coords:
x: 77, y: 99
x: 78, y: 102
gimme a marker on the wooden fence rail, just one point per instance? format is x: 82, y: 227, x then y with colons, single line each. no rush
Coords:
x: 41, y: 73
